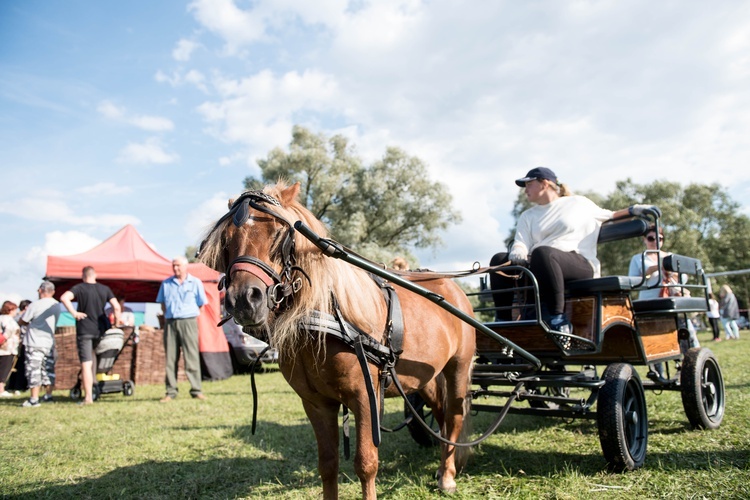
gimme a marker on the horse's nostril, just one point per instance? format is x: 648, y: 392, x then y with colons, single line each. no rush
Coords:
x: 254, y: 295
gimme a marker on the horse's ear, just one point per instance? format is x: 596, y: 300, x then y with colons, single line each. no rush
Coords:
x: 230, y: 202
x: 290, y: 194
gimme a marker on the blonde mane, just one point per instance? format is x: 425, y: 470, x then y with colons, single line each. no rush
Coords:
x: 359, y: 299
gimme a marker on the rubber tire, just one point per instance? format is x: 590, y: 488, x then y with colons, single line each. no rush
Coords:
x: 75, y: 392
x: 418, y: 433
x: 702, y: 388
x: 95, y: 392
x: 622, y: 418
x: 128, y: 388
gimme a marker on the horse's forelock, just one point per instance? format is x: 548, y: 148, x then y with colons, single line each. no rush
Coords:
x: 211, y: 251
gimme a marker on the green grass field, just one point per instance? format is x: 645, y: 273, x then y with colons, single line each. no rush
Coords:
x: 135, y: 447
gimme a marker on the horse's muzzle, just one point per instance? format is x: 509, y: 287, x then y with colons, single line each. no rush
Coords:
x: 247, y: 303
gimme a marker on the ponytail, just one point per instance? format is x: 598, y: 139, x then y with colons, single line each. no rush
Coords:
x: 564, y: 190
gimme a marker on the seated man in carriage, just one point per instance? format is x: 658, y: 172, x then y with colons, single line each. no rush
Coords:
x: 557, y: 239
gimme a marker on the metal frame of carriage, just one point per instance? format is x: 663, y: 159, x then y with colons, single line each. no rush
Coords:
x: 525, y: 361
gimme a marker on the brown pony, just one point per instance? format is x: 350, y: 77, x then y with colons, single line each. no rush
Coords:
x: 275, y: 278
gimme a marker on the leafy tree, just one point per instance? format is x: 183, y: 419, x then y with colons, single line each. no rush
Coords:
x: 382, y: 210
x: 190, y: 252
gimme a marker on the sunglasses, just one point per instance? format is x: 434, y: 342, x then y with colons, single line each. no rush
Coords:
x: 653, y: 238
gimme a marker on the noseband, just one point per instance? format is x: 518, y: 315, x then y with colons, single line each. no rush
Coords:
x: 279, y: 286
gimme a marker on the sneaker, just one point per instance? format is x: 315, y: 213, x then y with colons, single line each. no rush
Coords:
x: 47, y: 398
x: 31, y: 404
x: 5, y: 394
x: 560, y: 323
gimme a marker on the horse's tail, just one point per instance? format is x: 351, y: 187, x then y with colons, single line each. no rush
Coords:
x: 464, y: 452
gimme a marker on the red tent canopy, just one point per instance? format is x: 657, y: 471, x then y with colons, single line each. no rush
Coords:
x: 124, y: 262
x: 131, y: 268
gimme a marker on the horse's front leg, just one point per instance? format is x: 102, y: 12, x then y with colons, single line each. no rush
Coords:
x: 323, y: 416
x: 366, y: 457
x: 456, y: 410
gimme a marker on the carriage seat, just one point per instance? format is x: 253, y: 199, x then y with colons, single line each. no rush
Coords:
x: 669, y: 305
x: 675, y: 263
x: 680, y: 264
x: 604, y: 284
x: 612, y: 231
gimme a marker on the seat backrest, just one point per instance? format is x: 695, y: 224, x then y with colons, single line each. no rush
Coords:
x: 623, y: 229
x: 682, y: 264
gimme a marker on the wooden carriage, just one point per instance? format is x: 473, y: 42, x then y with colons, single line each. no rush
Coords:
x: 612, y: 332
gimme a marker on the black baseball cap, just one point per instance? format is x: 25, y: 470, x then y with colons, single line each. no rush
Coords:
x: 537, y: 173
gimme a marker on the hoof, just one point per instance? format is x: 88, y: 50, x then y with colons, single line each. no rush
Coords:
x: 447, y: 486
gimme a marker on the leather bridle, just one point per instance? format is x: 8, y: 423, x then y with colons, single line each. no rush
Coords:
x: 279, y: 286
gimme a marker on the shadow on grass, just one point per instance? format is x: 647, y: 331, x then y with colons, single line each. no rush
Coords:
x: 217, y: 478
x: 288, y: 464
x: 498, y: 459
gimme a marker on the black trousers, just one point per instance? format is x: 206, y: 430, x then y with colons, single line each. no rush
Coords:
x: 715, y: 327
x: 552, y: 268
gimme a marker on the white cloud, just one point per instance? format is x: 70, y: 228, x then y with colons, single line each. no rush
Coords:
x: 204, y: 216
x: 105, y: 189
x: 148, y: 152
x: 177, y: 79
x: 65, y: 243
x: 184, y: 50
x: 144, y: 122
x: 20, y: 276
x: 236, y: 26
x: 54, y: 208
x: 109, y: 110
x: 174, y: 80
x: 261, y: 109
x: 152, y: 123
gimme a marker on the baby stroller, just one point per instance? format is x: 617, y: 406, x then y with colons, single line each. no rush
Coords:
x: 107, y: 351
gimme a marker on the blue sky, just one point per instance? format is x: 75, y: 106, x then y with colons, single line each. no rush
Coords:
x: 152, y: 113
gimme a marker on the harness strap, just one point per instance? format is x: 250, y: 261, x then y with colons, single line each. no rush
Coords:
x: 257, y: 268
x: 328, y: 324
x: 374, y: 413
x: 395, y: 320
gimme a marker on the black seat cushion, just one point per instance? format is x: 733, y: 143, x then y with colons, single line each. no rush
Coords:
x: 604, y: 284
x: 670, y: 304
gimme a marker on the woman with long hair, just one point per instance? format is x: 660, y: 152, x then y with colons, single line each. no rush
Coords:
x: 730, y: 311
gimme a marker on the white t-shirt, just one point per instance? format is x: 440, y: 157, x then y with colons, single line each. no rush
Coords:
x: 637, y: 266
x: 41, y: 315
x: 569, y: 224
x: 713, y: 309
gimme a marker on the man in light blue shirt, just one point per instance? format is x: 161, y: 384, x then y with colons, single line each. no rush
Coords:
x: 181, y: 297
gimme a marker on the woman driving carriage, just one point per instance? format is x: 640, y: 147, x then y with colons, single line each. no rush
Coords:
x: 557, y: 239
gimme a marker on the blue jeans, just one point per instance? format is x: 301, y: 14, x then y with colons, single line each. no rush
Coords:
x: 730, y: 326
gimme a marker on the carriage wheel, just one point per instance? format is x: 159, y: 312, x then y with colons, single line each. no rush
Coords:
x: 418, y: 433
x: 75, y: 392
x: 622, y: 418
x: 702, y: 389
x: 128, y: 388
